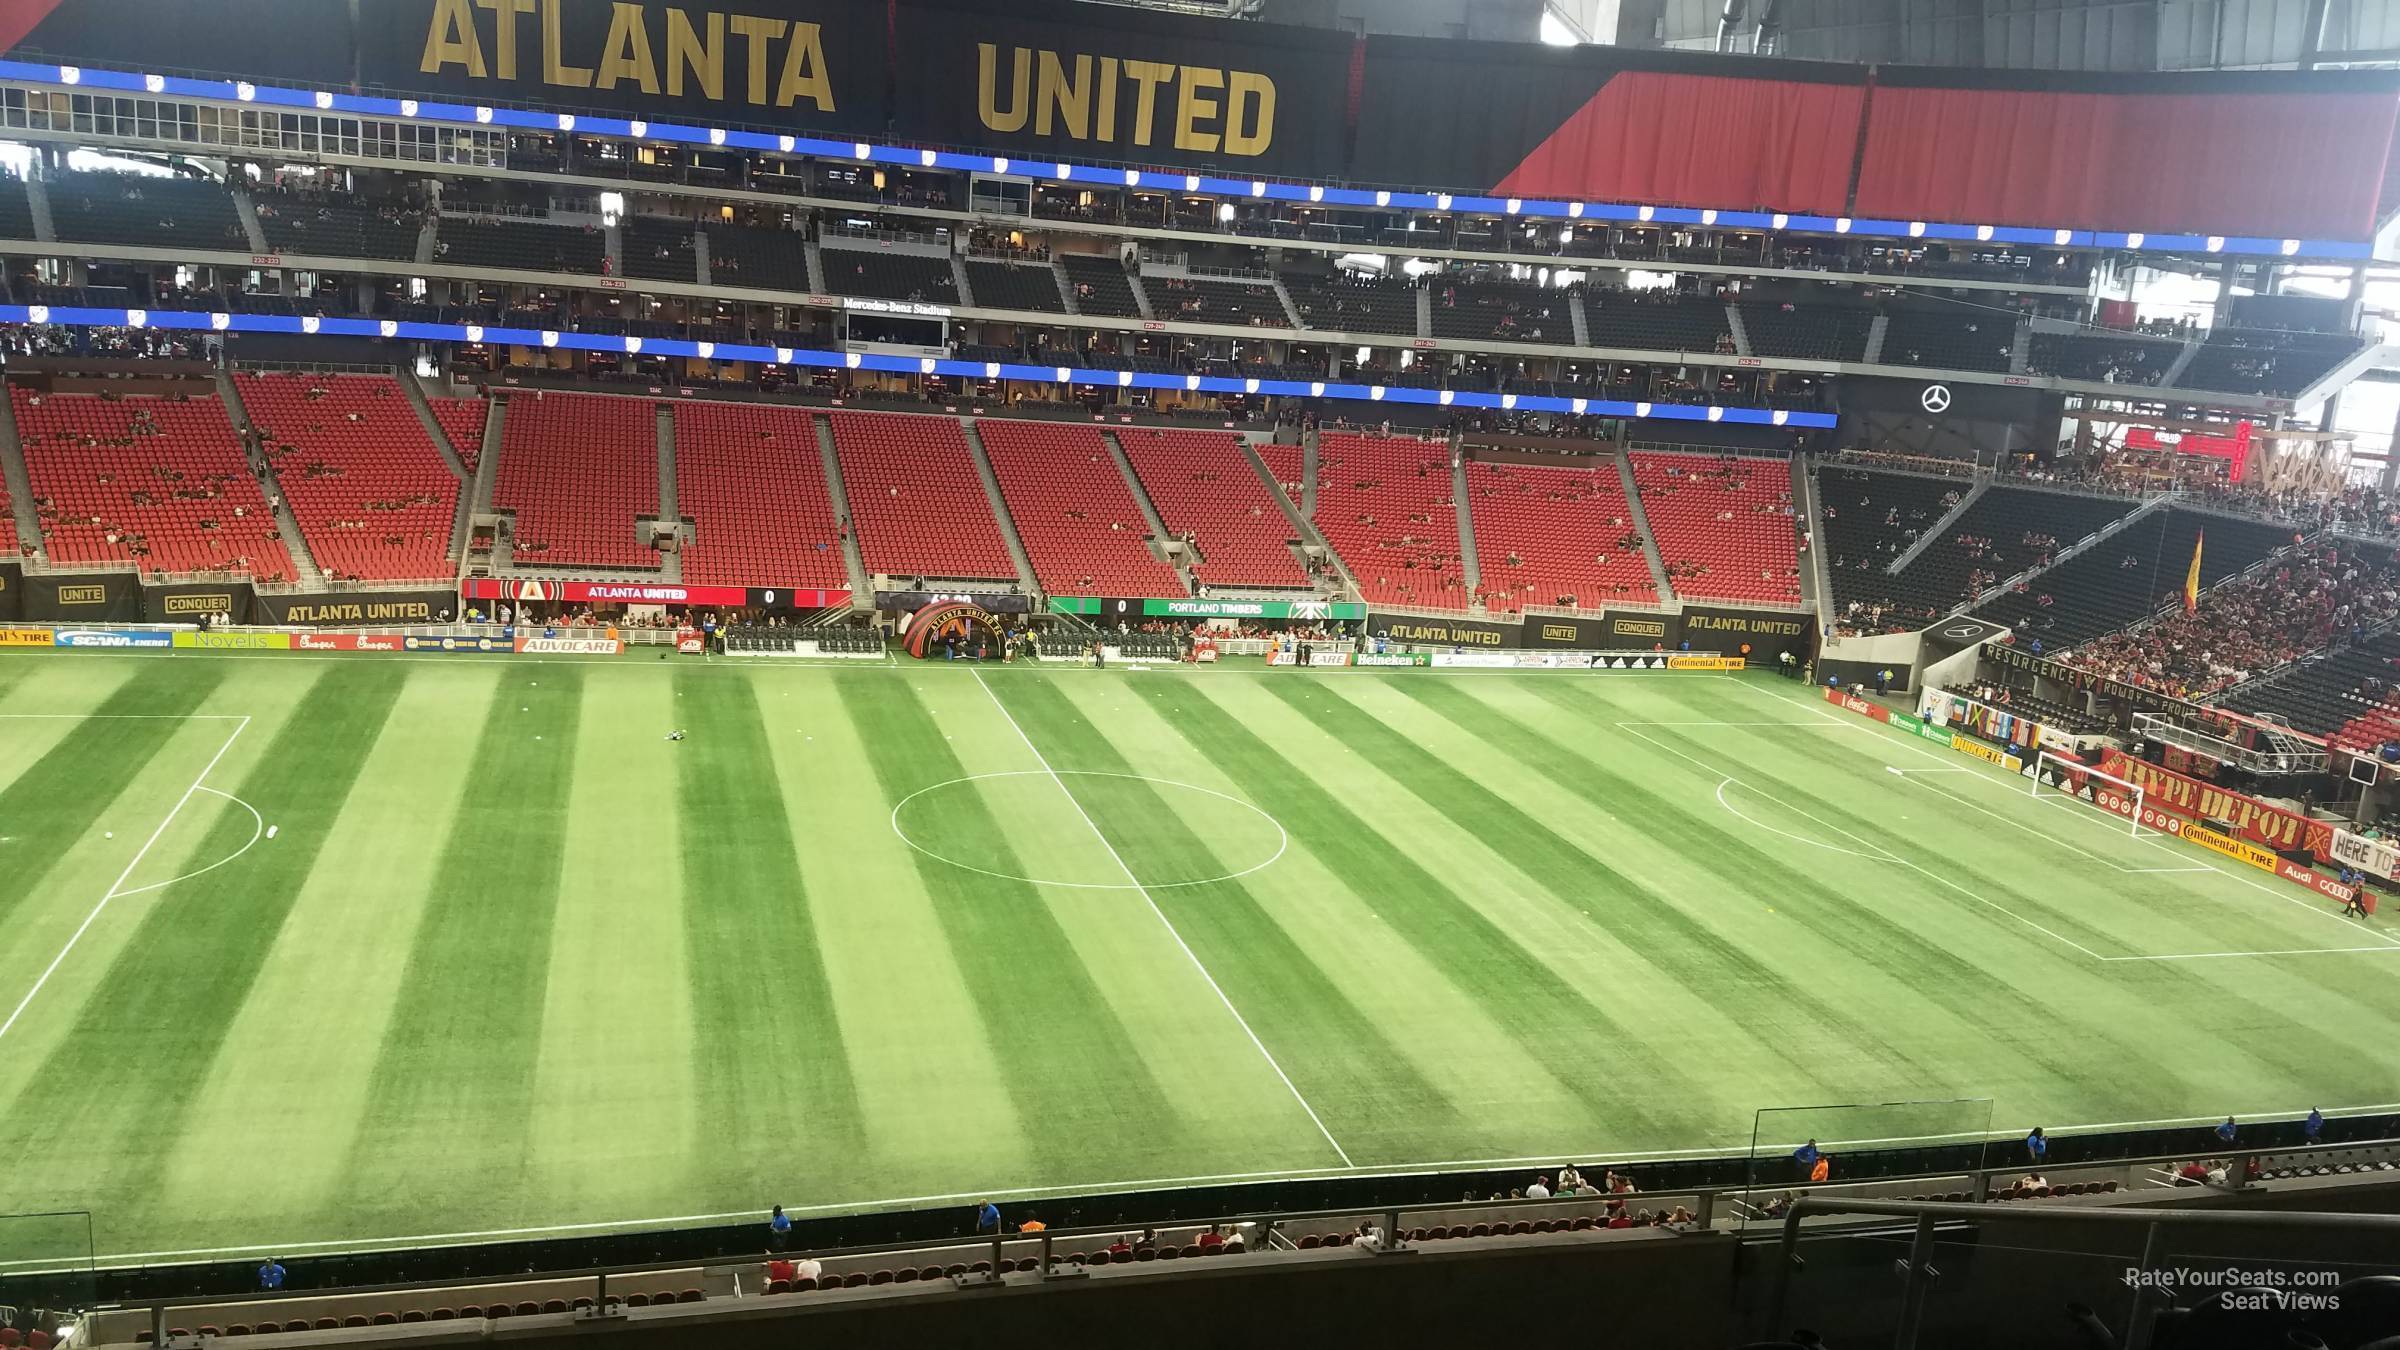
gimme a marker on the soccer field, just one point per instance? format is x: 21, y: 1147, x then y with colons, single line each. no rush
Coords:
x: 303, y: 953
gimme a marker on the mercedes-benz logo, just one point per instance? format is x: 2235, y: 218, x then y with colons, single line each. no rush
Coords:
x: 1961, y: 632
x: 1936, y: 398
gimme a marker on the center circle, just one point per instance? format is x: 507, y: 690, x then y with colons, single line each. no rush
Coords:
x: 1271, y: 839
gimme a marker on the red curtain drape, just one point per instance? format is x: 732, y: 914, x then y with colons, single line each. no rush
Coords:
x: 2278, y: 165
x: 1701, y: 140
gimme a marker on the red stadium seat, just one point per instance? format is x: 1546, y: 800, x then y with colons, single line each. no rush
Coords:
x: 1723, y: 525
x: 916, y: 501
x: 1204, y: 487
x: 1550, y: 537
x: 751, y: 479
x: 1387, y: 506
x: 1079, y: 523
x: 374, y: 498
x: 578, y: 469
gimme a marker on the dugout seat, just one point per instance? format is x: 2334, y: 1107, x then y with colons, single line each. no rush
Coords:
x: 413, y: 1316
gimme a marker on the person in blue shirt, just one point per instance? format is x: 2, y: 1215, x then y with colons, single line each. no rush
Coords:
x: 987, y: 1217
x: 2313, y: 1127
x: 2037, y: 1146
x: 2225, y: 1131
x: 1806, y: 1156
x: 780, y: 1225
x: 270, y: 1275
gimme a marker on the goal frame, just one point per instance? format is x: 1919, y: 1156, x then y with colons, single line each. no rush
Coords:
x: 2128, y: 796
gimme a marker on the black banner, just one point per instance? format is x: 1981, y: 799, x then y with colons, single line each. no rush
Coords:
x: 816, y: 66
x: 1767, y: 631
x: 1062, y: 80
x: 1630, y: 632
x: 98, y: 597
x: 307, y: 41
x: 996, y: 602
x: 1438, y: 631
x: 356, y: 609
x: 12, y: 591
x: 2011, y: 658
x: 196, y: 602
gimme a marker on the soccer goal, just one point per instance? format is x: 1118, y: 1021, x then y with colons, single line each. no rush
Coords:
x: 2058, y: 776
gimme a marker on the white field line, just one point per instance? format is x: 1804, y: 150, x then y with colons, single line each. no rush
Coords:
x: 2186, y: 857
x: 1910, y: 864
x: 1407, y: 1169
x: 118, y: 888
x: 1169, y: 924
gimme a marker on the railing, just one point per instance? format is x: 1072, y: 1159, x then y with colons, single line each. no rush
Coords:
x: 1918, y: 1273
x: 1730, y: 1208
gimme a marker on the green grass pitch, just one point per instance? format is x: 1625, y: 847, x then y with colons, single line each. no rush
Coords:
x: 511, y: 960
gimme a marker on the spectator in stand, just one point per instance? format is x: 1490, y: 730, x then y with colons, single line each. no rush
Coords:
x: 270, y: 1275
x: 2037, y: 1147
x: 2297, y: 603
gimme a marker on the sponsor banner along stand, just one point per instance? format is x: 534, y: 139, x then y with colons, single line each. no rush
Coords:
x: 12, y: 592
x: 2268, y: 826
x: 488, y: 591
x: 1853, y: 703
x: 458, y: 646
x: 25, y: 637
x: 1419, y: 659
x: 233, y: 642
x: 691, y: 642
x: 1766, y: 631
x: 1441, y: 631
x: 113, y: 637
x: 2378, y: 856
x: 547, y: 645
x: 96, y: 597
x: 356, y: 609
x: 1610, y: 632
x: 195, y: 602
x: 1315, y: 658
x: 348, y: 642
x: 1968, y: 745
x: 1706, y: 662
x: 1642, y: 632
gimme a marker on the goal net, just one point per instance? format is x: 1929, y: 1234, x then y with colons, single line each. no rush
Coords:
x: 2057, y: 776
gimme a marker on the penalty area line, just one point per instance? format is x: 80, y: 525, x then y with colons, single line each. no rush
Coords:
x: 116, y: 889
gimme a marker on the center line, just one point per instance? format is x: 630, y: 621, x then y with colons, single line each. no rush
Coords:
x: 1144, y: 892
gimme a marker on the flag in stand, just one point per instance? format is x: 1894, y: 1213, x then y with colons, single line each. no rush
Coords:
x: 2191, y: 578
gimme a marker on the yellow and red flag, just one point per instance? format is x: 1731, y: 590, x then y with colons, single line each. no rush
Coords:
x: 2191, y: 578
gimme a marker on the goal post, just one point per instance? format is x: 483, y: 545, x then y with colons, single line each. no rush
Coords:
x: 2058, y: 776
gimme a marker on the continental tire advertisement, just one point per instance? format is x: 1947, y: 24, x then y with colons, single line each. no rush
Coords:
x: 1440, y: 631
x: 12, y: 592
x: 195, y: 602
x: 357, y: 609
x: 97, y: 597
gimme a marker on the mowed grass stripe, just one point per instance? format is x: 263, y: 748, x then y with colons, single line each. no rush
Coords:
x: 132, y: 1064
x: 53, y: 804
x: 1845, y: 910
x: 1075, y: 1077
x: 1590, y: 1054
x: 446, y: 1112
x: 1653, y: 926
x: 1358, y: 1081
x: 771, y: 1063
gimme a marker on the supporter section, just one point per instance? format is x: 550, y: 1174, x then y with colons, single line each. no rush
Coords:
x: 750, y: 478
x: 1723, y: 524
x: 1205, y: 490
x: 159, y: 482
x: 1556, y: 537
x: 915, y: 499
x: 577, y: 469
x: 1081, y: 528
x: 374, y: 498
x: 1386, y: 505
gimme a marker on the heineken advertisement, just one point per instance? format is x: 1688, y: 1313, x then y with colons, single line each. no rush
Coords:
x: 1113, y: 608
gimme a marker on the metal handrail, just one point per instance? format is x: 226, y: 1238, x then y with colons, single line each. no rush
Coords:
x: 1918, y: 1274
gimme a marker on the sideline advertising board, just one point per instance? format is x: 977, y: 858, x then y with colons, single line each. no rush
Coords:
x: 196, y: 602
x: 356, y: 609
x: 2270, y: 827
x: 1445, y: 631
x: 26, y: 637
x: 192, y: 640
x: 548, y: 645
x: 95, y: 597
x: 348, y: 642
x: 113, y: 637
x: 516, y: 590
x: 12, y: 592
x: 458, y: 646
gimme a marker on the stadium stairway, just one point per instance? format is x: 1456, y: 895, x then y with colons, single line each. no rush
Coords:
x: 37, y: 199
x: 840, y: 493
x: 2182, y: 361
x: 1659, y: 580
x: 1159, y: 533
x: 1816, y: 587
x: 19, y: 483
x: 670, y: 561
x: 1741, y: 332
x: 999, y: 501
x: 1312, y: 540
x: 415, y: 392
x: 295, y: 540
x: 1459, y: 500
x: 246, y: 211
x: 1876, y: 332
x: 1940, y: 529
x: 2067, y: 553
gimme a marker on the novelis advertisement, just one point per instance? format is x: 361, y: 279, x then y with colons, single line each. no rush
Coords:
x: 233, y: 642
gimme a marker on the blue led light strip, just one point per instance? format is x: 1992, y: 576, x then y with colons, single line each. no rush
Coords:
x: 199, y: 321
x: 242, y: 91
